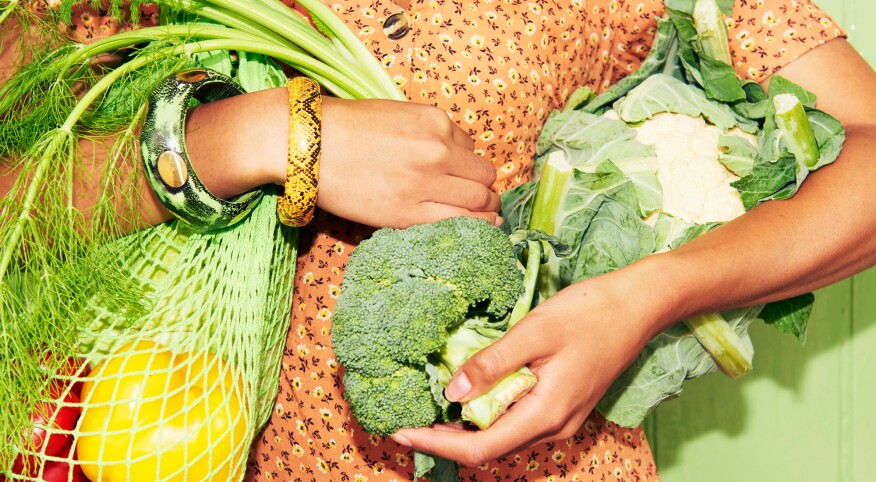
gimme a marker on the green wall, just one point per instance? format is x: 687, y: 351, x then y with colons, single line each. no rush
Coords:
x: 805, y: 413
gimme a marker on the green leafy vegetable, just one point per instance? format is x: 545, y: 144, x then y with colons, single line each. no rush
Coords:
x: 681, y: 147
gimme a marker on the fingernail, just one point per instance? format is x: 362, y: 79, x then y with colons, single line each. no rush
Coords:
x: 400, y: 439
x: 458, y: 388
x: 499, y: 221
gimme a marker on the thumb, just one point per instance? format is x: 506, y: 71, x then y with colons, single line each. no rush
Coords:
x: 487, y: 367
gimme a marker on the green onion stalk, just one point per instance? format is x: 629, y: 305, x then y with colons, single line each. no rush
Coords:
x: 58, y: 100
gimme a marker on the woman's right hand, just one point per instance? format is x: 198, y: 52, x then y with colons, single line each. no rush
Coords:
x: 393, y: 164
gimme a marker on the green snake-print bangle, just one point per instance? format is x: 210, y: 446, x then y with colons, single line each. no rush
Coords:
x: 163, y: 150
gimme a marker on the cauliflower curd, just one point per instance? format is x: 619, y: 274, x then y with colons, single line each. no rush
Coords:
x: 696, y: 186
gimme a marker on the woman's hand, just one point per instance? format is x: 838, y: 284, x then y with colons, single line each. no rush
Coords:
x: 391, y: 163
x: 383, y: 163
x: 576, y: 343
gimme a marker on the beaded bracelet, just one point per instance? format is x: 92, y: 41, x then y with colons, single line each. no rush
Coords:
x: 166, y: 160
x: 298, y: 202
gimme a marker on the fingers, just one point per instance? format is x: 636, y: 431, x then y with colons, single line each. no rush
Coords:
x: 453, y: 148
x: 461, y: 137
x: 487, y: 367
x: 462, y: 193
x: 468, y: 165
x: 513, y: 432
x: 395, y: 164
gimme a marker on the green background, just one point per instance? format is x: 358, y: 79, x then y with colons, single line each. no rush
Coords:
x: 806, y: 412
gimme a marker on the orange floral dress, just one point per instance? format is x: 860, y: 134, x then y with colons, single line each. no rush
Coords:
x: 498, y: 67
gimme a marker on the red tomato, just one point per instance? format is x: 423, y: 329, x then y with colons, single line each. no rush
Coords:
x: 73, y: 368
x: 57, y: 471
x: 54, y: 444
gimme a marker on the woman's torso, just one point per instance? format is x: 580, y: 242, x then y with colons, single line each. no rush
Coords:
x: 498, y: 68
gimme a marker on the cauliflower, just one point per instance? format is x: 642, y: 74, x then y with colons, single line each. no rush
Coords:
x: 696, y: 186
x: 662, y: 156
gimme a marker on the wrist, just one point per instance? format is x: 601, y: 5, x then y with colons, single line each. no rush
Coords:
x: 658, y: 288
x: 240, y: 143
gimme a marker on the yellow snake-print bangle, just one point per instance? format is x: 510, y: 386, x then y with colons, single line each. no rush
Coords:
x: 295, y: 207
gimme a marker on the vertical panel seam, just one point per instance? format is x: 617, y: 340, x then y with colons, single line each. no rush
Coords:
x: 846, y: 402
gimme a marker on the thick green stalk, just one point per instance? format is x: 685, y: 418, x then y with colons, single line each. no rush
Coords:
x: 168, y: 32
x: 730, y: 353
x: 794, y: 125
x: 484, y: 410
x: 223, y: 17
x: 712, y: 30
x: 530, y: 278
x: 293, y: 28
x: 548, y: 198
x: 338, y: 82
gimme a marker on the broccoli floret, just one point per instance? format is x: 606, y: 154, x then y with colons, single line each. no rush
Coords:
x: 410, y: 329
x: 382, y: 405
x: 468, y: 254
x: 404, y: 294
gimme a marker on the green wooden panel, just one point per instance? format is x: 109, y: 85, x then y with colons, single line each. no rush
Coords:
x: 805, y: 413
x: 782, y: 421
x: 857, y: 17
x: 862, y: 417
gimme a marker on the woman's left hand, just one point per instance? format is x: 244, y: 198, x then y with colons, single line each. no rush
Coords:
x: 576, y: 343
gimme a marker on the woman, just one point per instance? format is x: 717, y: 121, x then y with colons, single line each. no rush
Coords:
x: 497, y: 69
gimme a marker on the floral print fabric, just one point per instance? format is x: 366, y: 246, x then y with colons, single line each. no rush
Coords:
x: 498, y: 67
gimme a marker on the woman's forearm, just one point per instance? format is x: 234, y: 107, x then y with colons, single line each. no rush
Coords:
x: 784, y: 248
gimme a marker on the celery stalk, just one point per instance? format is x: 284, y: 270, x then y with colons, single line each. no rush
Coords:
x: 730, y: 353
x: 794, y: 125
x: 712, y: 30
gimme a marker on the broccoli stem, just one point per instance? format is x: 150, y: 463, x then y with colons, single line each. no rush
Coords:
x: 530, y: 278
x: 484, y: 410
x: 712, y: 30
x: 470, y: 338
x: 794, y: 125
x: 729, y: 352
x: 462, y: 344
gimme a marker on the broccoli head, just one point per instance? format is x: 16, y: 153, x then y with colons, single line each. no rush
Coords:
x: 468, y: 255
x: 407, y: 292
